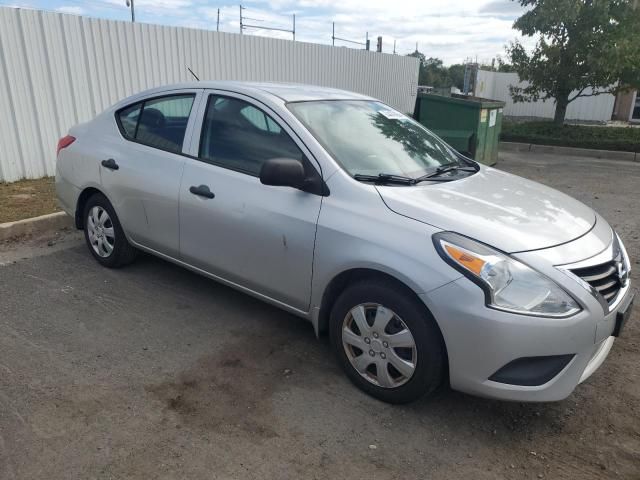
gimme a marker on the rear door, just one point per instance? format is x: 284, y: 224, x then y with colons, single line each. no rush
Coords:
x: 256, y: 236
x: 141, y: 176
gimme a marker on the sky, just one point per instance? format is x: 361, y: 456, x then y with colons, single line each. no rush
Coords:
x: 453, y: 30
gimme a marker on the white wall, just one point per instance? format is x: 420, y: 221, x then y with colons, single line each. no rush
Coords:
x: 58, y: 70
x: 495, y: 85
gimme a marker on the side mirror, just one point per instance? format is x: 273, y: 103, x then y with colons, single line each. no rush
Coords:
x: 283, y: 172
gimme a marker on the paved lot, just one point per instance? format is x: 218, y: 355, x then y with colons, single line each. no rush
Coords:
x: 154, y: 372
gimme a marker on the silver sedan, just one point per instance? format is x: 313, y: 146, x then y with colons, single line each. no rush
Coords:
x: 421, y: 265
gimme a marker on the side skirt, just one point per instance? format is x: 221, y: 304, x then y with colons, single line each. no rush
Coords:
x: 204, y: 273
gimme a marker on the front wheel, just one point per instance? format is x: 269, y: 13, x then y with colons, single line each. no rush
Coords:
x: 387, y: 342
x: 104, y: 234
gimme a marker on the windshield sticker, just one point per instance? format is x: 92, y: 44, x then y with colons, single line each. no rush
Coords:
x: 392, y: 115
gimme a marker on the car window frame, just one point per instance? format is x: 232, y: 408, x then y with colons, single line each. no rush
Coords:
x: 196, y: 134
x: 307, y: 157
x: 197, y: 96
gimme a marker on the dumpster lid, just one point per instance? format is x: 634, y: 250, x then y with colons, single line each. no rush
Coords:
x: 464, y: 134
x: 473, y: 102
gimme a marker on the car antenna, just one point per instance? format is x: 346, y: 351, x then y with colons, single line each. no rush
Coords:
x: 194, y: 75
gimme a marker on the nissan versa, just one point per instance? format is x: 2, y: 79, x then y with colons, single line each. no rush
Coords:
x: 423, y: 266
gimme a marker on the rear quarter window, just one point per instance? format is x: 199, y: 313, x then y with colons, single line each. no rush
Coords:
x: 128, y: 119
x: 159, y: 122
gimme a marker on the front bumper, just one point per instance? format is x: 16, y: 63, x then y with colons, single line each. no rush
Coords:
x: 480, y: 341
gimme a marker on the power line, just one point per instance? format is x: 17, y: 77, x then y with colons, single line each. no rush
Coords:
x: 89, y: 5
x: 244, y: 25
x: 334, y: 38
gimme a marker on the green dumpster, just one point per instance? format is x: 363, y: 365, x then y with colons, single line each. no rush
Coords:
x: 471, y: 125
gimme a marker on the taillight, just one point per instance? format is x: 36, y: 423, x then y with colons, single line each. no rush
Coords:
x: 64, y: 142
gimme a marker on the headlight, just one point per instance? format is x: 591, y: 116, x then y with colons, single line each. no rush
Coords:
x: 509, y: 285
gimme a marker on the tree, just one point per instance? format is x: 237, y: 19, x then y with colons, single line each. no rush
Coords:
x: 432, y: 71
x: 435, y: 74
x: 585, y: 48
x: 503, y: 66
x: 498, y: 65
x: 456, y: 75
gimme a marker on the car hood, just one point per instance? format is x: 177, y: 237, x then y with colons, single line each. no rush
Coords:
x: 508, y: 212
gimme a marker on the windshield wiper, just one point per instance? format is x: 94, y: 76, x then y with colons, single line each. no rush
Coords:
x: 448, y: 167
x: 402, y: 180
x: 384, y: 178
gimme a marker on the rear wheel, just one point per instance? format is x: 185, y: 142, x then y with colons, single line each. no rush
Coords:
x: 104, y: 234
x: 387, y: 342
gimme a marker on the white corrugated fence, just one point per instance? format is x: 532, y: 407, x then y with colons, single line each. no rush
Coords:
x: 495, y: 85
x: 57, y: 70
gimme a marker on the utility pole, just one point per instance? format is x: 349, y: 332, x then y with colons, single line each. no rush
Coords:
x: 294, y: 27
x: 333, y: 34
x: 218, y: 22
x: 133, y: 11
x: 394, y: 47
x: 241, y: 20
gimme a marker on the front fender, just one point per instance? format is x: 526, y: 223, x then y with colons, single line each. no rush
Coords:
x: 365, y: 234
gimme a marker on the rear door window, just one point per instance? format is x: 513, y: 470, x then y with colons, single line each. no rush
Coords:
x: 159, y: 122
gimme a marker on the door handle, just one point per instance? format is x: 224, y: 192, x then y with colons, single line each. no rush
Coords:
x: 202, y: 191
x: 110, y: 164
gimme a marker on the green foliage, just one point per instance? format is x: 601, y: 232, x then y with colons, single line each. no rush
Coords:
x: 456, y: 75
x: 504, y: 66
x: 581, y: 44
x: 547, y: 133
x: 434, y: 74
x: 498, y: 64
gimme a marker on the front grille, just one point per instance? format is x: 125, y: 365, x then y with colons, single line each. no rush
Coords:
x: 603, y: 278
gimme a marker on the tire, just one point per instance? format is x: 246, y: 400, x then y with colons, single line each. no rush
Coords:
x: 405, y: 313
x: 111, y: 249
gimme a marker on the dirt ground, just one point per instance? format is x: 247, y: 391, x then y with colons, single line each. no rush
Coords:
x: 152, y: 372
x: 26, y: 199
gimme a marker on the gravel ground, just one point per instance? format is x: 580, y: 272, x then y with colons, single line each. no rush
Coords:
x: 154, y: 372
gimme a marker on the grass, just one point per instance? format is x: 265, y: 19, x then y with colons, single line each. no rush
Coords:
x: 27, y: 198
x: 625, y: 139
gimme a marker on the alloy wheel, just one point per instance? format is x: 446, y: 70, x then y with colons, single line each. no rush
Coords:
x: 100, y: 231
x: 379, y: 345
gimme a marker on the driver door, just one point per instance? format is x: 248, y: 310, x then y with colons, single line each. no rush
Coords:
x: 256, y: 236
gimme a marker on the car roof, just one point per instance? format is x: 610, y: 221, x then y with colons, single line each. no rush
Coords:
x: 288, y: 92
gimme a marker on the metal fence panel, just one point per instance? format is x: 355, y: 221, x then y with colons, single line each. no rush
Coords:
x: 495, y: 85
x: 57, y: 70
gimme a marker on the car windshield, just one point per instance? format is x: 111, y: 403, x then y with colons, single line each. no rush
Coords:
x: 370, y: 138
